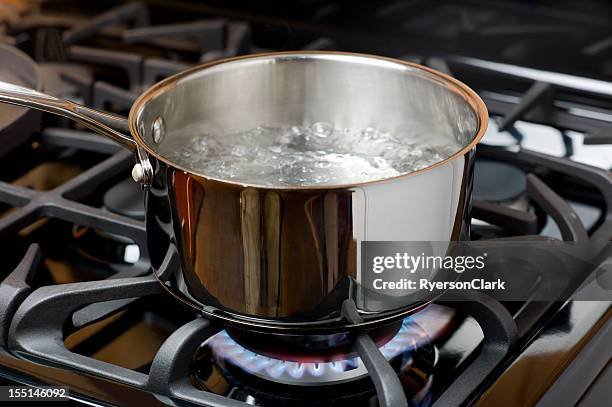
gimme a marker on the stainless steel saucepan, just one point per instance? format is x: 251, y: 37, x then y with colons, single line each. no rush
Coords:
x: 278, y: 258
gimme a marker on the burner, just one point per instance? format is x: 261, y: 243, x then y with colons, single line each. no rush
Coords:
x: 225, y: 366
x: 95, y: 244
x: 497, y: 181
x: 104, y: 247
x: 125, y: 199
x: 230, y: 355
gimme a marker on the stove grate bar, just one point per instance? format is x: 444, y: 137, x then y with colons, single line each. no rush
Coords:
x: 439, y: 64
x: 522, y: 222
x: 105, y: 94
x: 82, y: 82
x: 15, y: 288
x: 388, y: 386
x: 209, y: 33
x: 81, y: 140
x: 600, y: 136
x: 321, y: 44
x: 500, y: 334
x: 13, y: 222
x: 539, y: 95
x: 158, y: 68
x: 129, y: 62
x: 135, y: 12
x: 239, y: 39
x: 100, y: 310
x: 569, y: 223
x: 84, y: 183
x: 15, y: 196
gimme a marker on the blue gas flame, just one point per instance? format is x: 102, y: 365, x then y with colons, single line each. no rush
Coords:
x: 226, y: 350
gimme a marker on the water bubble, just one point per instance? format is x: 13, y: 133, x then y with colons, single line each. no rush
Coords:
x: 199, y: 145
x: 276, y: 149
x: 322, y: 129
x: 288, y: 134
x: 296, y: 130
x: 370, y: 133
x: 320, y: 179
x: 378, y: 162
x: 256, y: 132
x: 239, y: 151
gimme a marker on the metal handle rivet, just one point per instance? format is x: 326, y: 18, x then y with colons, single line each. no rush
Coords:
x: 137, y: 172
x: 159, y: 130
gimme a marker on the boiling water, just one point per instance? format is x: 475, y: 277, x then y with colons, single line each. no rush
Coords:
x: 318, y: 154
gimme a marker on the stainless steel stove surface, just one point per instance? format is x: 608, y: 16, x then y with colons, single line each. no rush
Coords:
x: 79, y: 306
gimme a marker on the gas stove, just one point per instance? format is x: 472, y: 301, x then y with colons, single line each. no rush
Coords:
x: 79, y: 306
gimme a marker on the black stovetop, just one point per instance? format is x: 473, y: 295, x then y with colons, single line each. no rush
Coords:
x: 78, y: 305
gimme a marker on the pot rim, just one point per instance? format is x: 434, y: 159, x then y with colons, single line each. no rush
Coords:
x: 469, y: 95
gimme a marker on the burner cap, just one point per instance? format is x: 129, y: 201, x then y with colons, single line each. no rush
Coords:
x: 497, y: 182
x: 125, y: 199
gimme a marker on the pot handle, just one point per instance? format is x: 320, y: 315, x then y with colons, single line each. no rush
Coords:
x: 107, y: 124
